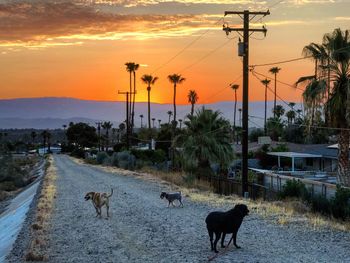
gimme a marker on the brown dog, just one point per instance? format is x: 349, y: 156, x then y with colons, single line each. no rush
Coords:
x: 99, y: 200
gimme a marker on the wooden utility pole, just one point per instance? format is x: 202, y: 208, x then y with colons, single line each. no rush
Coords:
x: 247, y: 16
x: 127, y: 116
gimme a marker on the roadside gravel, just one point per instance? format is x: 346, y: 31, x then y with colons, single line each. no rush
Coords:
x: 142, y: 229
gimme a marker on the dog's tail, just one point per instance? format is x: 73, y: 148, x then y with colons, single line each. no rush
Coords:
x: 111, y: 193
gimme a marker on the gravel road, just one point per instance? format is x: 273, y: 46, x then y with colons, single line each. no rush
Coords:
x: 143, y: 229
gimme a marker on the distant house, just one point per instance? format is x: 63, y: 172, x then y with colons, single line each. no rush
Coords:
x: 53, y: 149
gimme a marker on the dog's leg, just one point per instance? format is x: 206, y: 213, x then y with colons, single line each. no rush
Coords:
x: 181, y: 203
x: 169, y: 203
x: 172, y: 203
x: 211, y: 234
x: 107, y: 206
x: 223, y: 240
x: 234, y: 239
x: 217, y: 237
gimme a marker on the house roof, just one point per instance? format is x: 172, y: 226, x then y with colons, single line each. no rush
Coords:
x: 294, y: 155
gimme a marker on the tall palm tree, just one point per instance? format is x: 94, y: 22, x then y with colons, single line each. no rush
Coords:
x: 339, y: 101
x: 180, y: 121
x: 192, y: 98
x: 44, y: 136
x: 275, y: 71
x: 170, y: 113
x: 278, y: 111
x: 266, y: 83
x: 107, y: 125
x: 290, y: 116
x: 175, y: 79
x: 153, y: 119
x: 159, y: 121
x: 141, y: 117
x: 136, y: 67
x: 149, y: 80
x: 234, y: 87
x: 130, y: 68
x: 240, y: 116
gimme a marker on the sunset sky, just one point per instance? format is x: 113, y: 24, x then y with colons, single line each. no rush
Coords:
x: 79, y: 48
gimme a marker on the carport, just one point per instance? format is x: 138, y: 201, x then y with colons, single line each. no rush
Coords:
x: 293, y: 156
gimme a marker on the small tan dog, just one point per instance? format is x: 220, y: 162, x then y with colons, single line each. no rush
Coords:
x: 99, y: 200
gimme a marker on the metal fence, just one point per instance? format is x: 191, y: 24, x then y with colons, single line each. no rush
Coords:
x: 226, y: 186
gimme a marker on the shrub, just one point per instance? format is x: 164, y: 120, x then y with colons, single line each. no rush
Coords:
x: 78, y: 152
x: 320, y: 204
x: 293, y: 188
x: 340, y: 203
x: 154, y: 156
x: 101, y: 157
x: 126, y: 160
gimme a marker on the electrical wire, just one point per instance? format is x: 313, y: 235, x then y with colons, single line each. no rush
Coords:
x: 185, y: 48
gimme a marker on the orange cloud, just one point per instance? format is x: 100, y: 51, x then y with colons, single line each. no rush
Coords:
x: 43, y: 24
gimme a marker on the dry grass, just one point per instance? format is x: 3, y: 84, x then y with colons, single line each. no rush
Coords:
x: 39, y: 239
x: 279, y: 212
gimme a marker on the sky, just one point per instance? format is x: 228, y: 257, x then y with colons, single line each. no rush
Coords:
x: 79, y: 48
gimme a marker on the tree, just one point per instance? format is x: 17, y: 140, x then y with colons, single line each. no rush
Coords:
x: 234, y: 87
x: 205, y: 141
x: 149, y: 80
x: 44, y: 136
x: 153, y: 119
x: 159, y: 121
x: 82, y: 135
x: 180, y: 120
x: 192, y: 98
x: 278, y: 111
x: 266, y: 82
x: 290, y: 116
x: 131, y: 67
x: 170, y: 113
x: 107, y: 125
x: 175, y: 79
x: 338, y: 103
x: 141, y: 117
x: 275, y: 71
x: 33, y: 135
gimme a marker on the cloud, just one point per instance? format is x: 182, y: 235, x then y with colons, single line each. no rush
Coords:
x: 44, y: 23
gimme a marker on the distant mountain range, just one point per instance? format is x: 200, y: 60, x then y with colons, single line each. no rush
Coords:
x: 51, y: 113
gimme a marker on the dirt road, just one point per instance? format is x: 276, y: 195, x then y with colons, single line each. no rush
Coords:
x: 143, y: 229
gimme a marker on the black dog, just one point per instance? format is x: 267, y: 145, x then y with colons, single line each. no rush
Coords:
x: 224, y: 223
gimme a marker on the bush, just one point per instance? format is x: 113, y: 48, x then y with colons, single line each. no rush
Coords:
x: 340, y: 203
x: 78, y: 152
x: 320, y: 204
x: 154, y: 156
x: 124, y: 160
x: 101, y: 157
x: 293, y: 188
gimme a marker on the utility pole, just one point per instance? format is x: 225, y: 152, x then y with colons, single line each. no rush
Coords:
x: 247, y: 17
x: 127, y: 116
x: 99, y: 134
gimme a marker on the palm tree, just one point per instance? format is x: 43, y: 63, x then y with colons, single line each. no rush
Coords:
x: 141, y: 117
x: 149, y: 80
x: 136, y: 67
x: 275, y: 71
x: 130, y: 68
x: 175, y: 79
x: 159, y: 121
x: 192, y: 98
x: 44, y: 136
x: 180, y: 120
x: 290, y: 116
x: 206, y: 140
x: 153, y: 119
x: 240, y: 116
x: 234, y: 87
x: 278, y: 111
x: 338, y: 103
x: 107, y: 125
x: 266, y: 82
x: 170, y: 113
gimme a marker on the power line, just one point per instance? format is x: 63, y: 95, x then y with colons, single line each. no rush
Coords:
x: 186, y: 47
x: 279, y: 62
x: 207, y: 55
x: 284, y: 83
